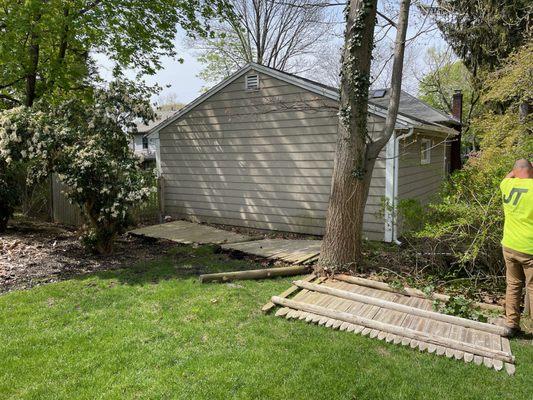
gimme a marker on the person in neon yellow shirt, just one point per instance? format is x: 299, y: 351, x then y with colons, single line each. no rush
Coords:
x: 517, y: 242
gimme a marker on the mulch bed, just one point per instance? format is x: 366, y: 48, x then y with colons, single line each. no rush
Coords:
x: 34, y: 252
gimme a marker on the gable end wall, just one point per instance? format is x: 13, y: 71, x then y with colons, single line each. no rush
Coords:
x: 261, y: 159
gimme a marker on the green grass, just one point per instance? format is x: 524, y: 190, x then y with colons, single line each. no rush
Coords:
x: 154, y: 332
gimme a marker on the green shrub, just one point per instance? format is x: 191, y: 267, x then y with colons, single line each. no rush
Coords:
x: 9, y: 193
x: 467, y: 221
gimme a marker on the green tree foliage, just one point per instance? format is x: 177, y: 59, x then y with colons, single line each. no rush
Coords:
x: 445, y: 76
x: 468, y: 220
x: 47, y: 46
x: 86, y: 143
x: 484, y: 32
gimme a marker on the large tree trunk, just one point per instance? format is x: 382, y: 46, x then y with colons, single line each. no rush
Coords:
x: 356, y: 153
x: 341, y: 246
x: 33, y: 57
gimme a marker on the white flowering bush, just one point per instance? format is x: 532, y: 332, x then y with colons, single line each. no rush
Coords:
x: 87, y: 143
x: 15, y: 125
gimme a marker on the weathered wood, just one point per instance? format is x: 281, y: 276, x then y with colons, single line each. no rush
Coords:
x: 403, y: 308
x: 268, y: 306
x: 404, y: 332
x: 254, y: 274
x: 188, y: 232
x: 408, y: 291
x: 509, y: 367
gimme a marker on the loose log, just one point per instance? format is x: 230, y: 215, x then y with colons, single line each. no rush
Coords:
x: 254, y: 274
x: 403, y: 332
x: 344, y: 294
x: 408, y: 291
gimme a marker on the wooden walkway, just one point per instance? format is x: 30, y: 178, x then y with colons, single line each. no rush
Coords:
x: 395, y: 318
x: 188, y: 232
x: 288, y: 250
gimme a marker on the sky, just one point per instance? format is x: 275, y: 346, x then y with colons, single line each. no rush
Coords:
x: 181, y: 84
x: 180, y: 77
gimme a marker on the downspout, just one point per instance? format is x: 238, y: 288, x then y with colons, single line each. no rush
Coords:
x: 395, y: 185
x: 157, y: 153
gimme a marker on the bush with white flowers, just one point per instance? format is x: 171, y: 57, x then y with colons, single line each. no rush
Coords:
x: 15, y: 125
x: 87, y: 143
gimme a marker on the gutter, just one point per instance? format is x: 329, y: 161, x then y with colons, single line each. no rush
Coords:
x: 392, y: 168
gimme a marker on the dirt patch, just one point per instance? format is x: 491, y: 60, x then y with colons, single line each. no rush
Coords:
x: 32, y: 253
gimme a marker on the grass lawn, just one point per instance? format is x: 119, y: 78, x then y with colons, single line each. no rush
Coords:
x: 153, y: 332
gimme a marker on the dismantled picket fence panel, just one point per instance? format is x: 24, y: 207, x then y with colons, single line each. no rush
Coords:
x: 399, y: 318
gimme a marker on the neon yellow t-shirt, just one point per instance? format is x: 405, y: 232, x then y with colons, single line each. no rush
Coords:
x: 517, y: 196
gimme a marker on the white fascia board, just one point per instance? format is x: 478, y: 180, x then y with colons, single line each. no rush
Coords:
x: 332, y: 94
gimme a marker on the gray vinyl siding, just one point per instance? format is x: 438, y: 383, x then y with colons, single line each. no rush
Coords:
x: 416, y: 180
x: 261, y: 159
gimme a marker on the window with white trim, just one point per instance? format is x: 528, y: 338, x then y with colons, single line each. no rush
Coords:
x: 425, y: 151
x: 252, y: 82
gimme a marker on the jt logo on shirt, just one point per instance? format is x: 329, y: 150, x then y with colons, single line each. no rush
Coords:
x: 518, y: 192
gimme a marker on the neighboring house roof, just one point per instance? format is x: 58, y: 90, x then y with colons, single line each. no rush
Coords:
x: 160, y: 116
x: 413, y: 113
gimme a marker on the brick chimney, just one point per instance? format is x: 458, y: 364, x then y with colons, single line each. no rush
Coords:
x: 457, y: 113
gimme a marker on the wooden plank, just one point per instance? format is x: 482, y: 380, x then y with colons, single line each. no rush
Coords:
x: 282, y: 312
x: 403, y: 308
x: 268, y: 306
x: 506, y: 346
x: 408, y: 291
x: 496, y: 345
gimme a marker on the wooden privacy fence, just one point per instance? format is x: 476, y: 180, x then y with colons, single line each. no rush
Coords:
x: 63, y: 212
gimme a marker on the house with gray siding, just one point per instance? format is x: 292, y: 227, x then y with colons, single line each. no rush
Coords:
x: 257, y: 151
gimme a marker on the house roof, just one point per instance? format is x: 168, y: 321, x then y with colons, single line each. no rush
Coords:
x: 412, y: 107
x: 412, y: 111
x: 160, y: 116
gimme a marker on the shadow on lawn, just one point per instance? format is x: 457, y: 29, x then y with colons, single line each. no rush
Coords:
x: 181, y: 261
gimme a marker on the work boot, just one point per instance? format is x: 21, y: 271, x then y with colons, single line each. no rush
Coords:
x: 510, y: 331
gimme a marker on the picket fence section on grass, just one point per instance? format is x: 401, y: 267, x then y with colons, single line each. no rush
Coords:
x: 63, y: 212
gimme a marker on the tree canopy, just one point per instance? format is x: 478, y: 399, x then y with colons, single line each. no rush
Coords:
x: 484, y: 32
x: 282, y: 35
x: 445, y: 76
x: 48, y: 46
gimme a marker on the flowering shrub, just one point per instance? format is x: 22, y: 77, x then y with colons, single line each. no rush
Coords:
x: 87, y: 144
x: 14, y: 128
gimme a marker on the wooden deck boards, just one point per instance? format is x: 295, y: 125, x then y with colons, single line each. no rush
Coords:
x: 288, y: 250
x: 187, y: 233
x: 425, y: 333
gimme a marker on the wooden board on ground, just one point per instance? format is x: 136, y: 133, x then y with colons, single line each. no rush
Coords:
x: 396, y: 318
x: 188, y: 232
x: 288, y: 250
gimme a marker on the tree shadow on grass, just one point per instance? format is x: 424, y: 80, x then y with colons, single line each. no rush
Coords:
x: 179, y: 262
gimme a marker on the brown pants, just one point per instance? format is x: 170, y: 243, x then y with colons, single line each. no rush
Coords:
x: 519, y: 273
